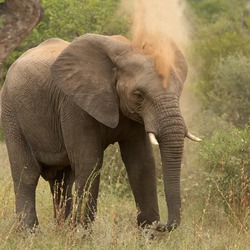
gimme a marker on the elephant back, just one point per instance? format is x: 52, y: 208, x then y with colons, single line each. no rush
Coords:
x: 44, y: 53
x: 34, y: 65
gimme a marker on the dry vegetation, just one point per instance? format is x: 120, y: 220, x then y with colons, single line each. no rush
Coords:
x: 204, y: 224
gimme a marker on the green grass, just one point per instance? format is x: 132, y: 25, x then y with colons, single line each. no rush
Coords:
x: 204, y: 223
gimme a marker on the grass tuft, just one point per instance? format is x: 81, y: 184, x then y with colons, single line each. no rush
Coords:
x: 205, y: 224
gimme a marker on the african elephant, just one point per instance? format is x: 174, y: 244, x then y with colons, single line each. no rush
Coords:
x: 64, y: 103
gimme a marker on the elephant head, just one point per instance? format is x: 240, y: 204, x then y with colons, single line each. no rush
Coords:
x: 107, y: 74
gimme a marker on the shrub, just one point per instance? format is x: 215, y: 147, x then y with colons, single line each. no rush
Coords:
x: 225, y: 158
x: 208, y: 9
x: 221, y: 38
x: 214, y: 41
x: 69, y: 19
x: 230, y: 90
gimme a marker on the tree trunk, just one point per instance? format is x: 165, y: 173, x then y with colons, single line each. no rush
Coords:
x: 17, y: 19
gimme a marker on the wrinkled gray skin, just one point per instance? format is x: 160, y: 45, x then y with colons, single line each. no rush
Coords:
x: 63, y: 104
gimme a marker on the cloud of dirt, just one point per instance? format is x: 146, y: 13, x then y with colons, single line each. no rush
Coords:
x: 160, y: 19
x: 155, y: 24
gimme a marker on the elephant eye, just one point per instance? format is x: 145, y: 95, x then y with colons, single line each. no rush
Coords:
x: 138, y: 95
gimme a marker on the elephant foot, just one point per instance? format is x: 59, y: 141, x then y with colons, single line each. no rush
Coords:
x: 154, y: 231
x: 26, y: 229
x: 27, y: 222
x: 161, y: 227
x: 171, y: 226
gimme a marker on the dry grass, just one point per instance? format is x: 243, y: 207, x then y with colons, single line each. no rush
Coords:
x: 204, y: 224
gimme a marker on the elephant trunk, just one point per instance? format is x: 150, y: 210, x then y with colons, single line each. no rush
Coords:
x: 171, y: 141
x: 171, y: 153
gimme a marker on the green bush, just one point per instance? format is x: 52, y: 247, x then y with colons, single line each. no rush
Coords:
x: 215, y: 41
x: 225, y: 158
x: 69, y: 19
x: 230, y: 89
x: 210, y: 9
x: 221, y: 38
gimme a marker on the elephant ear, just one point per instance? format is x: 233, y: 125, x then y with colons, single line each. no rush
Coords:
x: 85, y: 71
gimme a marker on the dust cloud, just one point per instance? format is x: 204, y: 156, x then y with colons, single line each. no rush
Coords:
x: 157, y: 21
x: 155, y: 25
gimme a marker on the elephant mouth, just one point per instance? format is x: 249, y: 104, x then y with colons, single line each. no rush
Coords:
x: 189, y: 135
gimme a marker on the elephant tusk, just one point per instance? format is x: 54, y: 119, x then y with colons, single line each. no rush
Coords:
x: 192, y: 137
x: 153, y: 139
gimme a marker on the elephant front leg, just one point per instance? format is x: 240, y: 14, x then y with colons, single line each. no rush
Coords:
x: 84, y: 146
x: 86, y: 202
x: 138, y: 158
x: 87, y: 180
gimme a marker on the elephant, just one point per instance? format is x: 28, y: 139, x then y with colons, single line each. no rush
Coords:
x: 64, y: 103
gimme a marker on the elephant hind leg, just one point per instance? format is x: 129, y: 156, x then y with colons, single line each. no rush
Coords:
x: 25, y: 171
x: 61, y: 189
